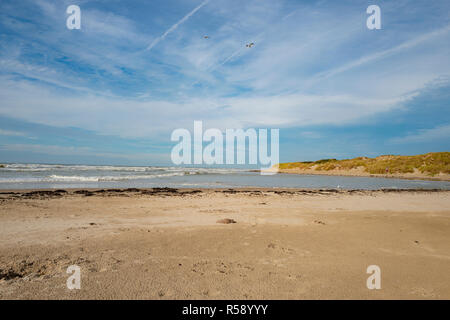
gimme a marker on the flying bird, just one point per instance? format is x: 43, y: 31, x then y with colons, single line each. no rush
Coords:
x: 249, y: 45
x: 206, y: 37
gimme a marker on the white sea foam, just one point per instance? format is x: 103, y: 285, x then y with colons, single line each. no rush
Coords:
x: 49, y: 173
x: 59, y: 178
x: 53, y: 167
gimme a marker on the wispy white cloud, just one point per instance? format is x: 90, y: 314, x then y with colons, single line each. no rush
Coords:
x: 157, y: 118
x: 49, y: 76
x: 12, y: 133
x: 268, y: 85
x: 425, y: 135
x: 310, y: 134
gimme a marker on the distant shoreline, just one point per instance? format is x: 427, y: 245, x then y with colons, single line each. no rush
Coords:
x: 433, y: 166
x: 443, y: 177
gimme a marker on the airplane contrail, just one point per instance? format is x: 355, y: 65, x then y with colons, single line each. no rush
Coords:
x: 172, y: 28
x: 379, y: 55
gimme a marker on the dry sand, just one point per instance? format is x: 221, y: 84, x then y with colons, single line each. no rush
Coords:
x: 163, y: 244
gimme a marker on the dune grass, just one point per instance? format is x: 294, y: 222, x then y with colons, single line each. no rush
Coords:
x: 430, y: 163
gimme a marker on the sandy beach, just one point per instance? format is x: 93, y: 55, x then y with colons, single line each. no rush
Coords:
x: 173, y: 244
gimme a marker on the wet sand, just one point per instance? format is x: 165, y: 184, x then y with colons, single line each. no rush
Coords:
x: 178, y: 244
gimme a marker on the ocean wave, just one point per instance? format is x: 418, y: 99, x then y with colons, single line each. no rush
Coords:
x: 83, y: 168
x: 60, y: 178
x: 51, y: 167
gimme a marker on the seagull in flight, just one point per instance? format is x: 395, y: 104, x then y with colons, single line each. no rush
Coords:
x: 249, y: 45
x: 206, y: 37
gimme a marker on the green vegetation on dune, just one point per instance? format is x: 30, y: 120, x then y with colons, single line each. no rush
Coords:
x: 431, y: 163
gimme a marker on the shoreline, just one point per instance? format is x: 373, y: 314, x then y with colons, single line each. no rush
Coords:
x: 358, y: 173
x: 59, y: 192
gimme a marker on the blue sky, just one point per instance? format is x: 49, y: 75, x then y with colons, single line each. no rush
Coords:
x: 113, y: 91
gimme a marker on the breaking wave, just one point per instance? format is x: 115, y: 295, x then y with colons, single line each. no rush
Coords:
x: 35, y: 173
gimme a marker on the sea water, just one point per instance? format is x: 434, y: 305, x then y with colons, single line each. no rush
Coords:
x: 38, y: 176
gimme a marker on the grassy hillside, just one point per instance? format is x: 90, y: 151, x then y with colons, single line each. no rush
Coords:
x: 430, y: 164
